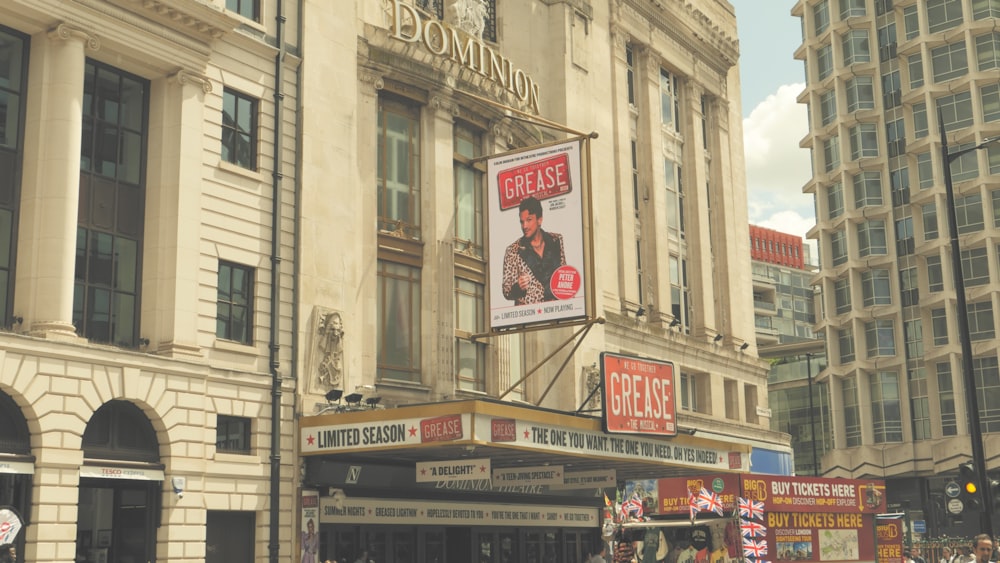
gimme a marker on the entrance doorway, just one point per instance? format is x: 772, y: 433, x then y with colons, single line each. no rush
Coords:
x: 116, y: 522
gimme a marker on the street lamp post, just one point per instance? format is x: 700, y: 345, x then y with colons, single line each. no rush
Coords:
x: 968, y: 376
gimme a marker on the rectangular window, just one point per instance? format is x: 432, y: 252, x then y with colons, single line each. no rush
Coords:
x: 988, y: 51
x: 13, y: 95
x: 895, y: 139
x: 630, y: 73
x: 925, y: 170
x: 939, y: 326
x: 398, y: 321
x: 987, y: 375
x: 234, y: 305
x: 920, y: 126
x: 984, y: 9
x: 842, y: 295
x: 909, y: 292
x: 946, y: 400
x: 899, y: 182
x: 851, y: 8
x: 835, y: 200
x: 232, y: 434
x: 880, y: 338
x: 821, y: 17
x: 943, y: 14
x: 969, y: 212
x: 935, y: 279
x: 975, y: 267
x: 824, y: 61
x: 470, y: 355
x: 855, y: 46
x: 229, y: 536
x: 828, y: 106
x: 867, y: 189
x: 913, y: 334
x: 852, y: 418
x: 990, y: 98
x: 911, y: 22
x: 892, y: 94
x: 838, y: 248
x: 831, y: 153
x: 239, y: 129
x: 860, y: 93
x: 929, y: 213
x: 112, y: 203
x: 669, y: 100
x: 904, y: 236
x: 915, y: 65
x: 689, y: 392
x: 398, y: 167
x: 956, y: 110
x: 995, y: 196
x: 845, y: 341
x: 886, y: 35
x: 949, y: 61
x: 920, y: 404
x: 730, y: 395
x: 875, y: 287
x: 249, y: 9
x: 871, y: 238
x: 981, y: 320
x: 887, y: 418
x: 469, y: 191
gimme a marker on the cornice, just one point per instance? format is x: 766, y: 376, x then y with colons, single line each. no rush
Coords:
x: 193, y: 16
x: 681, y: 21
x: 581, y: 6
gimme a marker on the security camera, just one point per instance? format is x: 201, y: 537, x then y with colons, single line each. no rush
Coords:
x: 179, y: 483
x: 180, y: 494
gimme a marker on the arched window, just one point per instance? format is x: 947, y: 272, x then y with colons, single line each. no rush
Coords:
x: 120, y: 431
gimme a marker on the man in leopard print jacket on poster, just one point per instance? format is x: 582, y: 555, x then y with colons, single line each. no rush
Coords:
x: 529, y: 262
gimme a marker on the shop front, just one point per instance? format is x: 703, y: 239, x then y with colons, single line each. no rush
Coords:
x: 480, y: 481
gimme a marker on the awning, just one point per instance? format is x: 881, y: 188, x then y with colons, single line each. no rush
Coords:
x: 511, y: 436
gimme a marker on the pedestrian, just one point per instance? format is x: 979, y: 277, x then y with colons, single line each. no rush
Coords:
x: 946, y: 555
x: 600, y: 554
x: 8, y: 553
x: 917, y: 558
x: 983, y: 547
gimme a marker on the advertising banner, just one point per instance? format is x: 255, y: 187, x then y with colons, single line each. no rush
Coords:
x: 357, y: 510
x: 889, y: 533
x: 673, y: 493
x: 309, y: 525
x: 537, y: 268
x: 382, y: 434
x: 638, y: 395
x: 815, y: 494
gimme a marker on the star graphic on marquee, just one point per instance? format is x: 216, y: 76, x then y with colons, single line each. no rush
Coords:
x: 539, y: 311
x: 423, y: 471
x: 310, y: 439
x: 369, y: 512
x: 413, y: 431
x: 527, y: 433
x: 482, y: 469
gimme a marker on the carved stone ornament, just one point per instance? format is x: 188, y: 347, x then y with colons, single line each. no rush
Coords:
x: 186, y: 77
x: 470, y: 16
x: 64, y: 31
x: 326, y: 352
x: 591, y: 381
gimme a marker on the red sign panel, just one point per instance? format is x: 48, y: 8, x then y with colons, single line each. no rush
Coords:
x: 812, y: 494
x: 638, y: 395
x: 674, y: 492
x: 441, y: 429
x: 540, y: 179
x: 503, y: 430
x: 890, y: 540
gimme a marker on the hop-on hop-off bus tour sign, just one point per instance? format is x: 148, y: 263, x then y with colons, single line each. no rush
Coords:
x: 638, y: 395
x: 537, y: 269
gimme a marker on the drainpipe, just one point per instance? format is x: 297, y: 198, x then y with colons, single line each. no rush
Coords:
x: 273, y: 546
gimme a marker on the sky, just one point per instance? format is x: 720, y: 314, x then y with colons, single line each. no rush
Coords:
x: 773, y: 122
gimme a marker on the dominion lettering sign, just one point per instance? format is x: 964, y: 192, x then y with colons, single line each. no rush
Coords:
x: 443, y: 40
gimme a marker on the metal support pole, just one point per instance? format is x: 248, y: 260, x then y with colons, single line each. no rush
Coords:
x: 962, y: 314
x: 812, y: 413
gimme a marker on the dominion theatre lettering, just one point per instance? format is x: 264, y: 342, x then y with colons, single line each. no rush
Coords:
x: 443, y: 40
x: 367, y: 436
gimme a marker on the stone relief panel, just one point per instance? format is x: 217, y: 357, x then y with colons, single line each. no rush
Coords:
x: 325, y: 364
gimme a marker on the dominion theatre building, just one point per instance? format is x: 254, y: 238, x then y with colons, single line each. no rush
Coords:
x: 257, y: 274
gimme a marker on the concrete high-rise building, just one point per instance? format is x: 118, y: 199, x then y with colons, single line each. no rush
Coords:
x: 881, y: 77
x: 265, y: 335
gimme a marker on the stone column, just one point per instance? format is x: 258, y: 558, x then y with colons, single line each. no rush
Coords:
x: 51, y: 191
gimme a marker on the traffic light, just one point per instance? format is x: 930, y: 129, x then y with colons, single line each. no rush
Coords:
x: 968, y: 480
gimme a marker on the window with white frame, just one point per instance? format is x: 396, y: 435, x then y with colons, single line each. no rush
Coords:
x: 630, y: 73
x: 886, y: 35
x: 469, y: 191
x: 899, y: 181
x: 842, y: 295
x: 860, y: 93
x: 920, y: 125
x: 880, y: 338
x: 831, y: 153
x: 995, y: 197
x: 845, y: 343
x: 956, y: 110
x: 929, y: 214
x: 895, y: 138
x: 838, y: 247
x: 946, y: 399
x: 851, y: 8
x: 855, y: 47
x: 887, y: 421
x: 939, y: 326
x: 909, y: 291
x: 920, y: 409
x: 821, y: 17
x: 470, y: 355
x: 986, y: 373
x: 981, y: 320
x: 871, y: 238
x: 852, y: 418
x: 988, y: 51
x: 915, y: 66
x: 969, y: 213
x: 989, y: 97
x: 875, y: 287
x: 985, y: 9
x: 892, y: 94
x: 828, y: 106
x: 824, y: 61
x: 975, y: 266
x: 398, y: 166
x: 911, y: 22
x: 913, y: 336
x: 904, y: 235
x: 669, y: 102
x: 835, y: 200
x: 867, y: 189
x: 949, y: 61
x: 943, y: 14
x: 925, y: 170
x: 935, y: 277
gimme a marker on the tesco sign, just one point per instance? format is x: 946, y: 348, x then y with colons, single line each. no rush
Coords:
x: 638, y: 395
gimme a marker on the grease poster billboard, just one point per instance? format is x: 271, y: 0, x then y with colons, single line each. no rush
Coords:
x: 536, y: 269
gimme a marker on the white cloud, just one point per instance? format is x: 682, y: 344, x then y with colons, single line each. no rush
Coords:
x: 776, y: 167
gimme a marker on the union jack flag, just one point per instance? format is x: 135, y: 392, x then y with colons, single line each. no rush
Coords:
x: 751, y: 509
x: 752, y: 529
x: 693, y: 505
x: 633, y: 506
x: 709, y: 501
x: 754, y: 548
